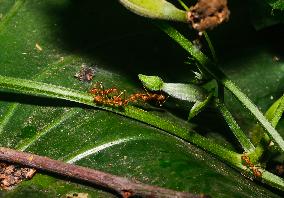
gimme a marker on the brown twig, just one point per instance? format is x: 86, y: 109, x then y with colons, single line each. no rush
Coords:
x: 123, y: 186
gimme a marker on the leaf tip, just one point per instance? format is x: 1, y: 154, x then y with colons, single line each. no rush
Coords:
x: 153, y: 83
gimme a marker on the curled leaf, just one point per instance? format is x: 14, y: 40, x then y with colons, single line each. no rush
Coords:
x: 186, y: 92
x: 153, y: 83
x: 156, y: 9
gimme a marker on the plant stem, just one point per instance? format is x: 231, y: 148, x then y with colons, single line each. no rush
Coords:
x: 222, y: 78
x: 182, y: 132
x: 212, y: 50
x: 211, y: 47
x: 239, y: 134
x: 255, y: 111
x: 43, y: 89
x: 121, y: 185
x: 183, y: 4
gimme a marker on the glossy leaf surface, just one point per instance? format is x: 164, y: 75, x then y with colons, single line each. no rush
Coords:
x: 72, y: 33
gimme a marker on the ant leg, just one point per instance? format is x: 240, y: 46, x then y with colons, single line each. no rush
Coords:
x: 162, y: 100
x: 145, y: 89
x: 123, y: 92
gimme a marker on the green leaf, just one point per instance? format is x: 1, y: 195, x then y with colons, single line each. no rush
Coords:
x: 186, y: 92
x: 72, y: 33
x: 153, y: 83
x: 199, y: 106
x: 275, y: 112
x: 158, y: 9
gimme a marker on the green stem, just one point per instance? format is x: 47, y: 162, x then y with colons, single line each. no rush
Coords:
x: 48, y: 90
x: 42, y: 89
x: 239, y: 134
x: 183, y: 4
x: 256, y: 154
x: 255, y: 111
x: 212, y: 50
x: 208, y: 40
x: 221, y: 77
x: 180, y: 131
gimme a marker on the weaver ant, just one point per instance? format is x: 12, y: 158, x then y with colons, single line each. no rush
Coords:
x: 109, y: 97
x: 160, y: 98
x: 112, y: 96
x: 99, y: 89
x: 246, y: 161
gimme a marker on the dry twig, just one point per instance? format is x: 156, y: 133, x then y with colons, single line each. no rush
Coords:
x: 123, y: 186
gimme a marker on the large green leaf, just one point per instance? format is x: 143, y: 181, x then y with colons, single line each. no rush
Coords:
x: 96, y: 32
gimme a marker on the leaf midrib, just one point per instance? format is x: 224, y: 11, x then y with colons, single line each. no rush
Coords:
x: 11, y: 108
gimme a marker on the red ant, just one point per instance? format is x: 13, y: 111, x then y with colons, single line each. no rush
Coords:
x: 111, y: 97
x: 160, y: 98
x: 256, y: 172
x: 102, y: 96
x: 99, y: 89
x: 98, y: 99
x: 116, y: 101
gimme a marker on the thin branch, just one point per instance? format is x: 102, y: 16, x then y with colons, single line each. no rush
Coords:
x: 183, y: 4
x: 238, y: 132
x: 271, y: 131
x: 121, y: 185
x: 211, y: 47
